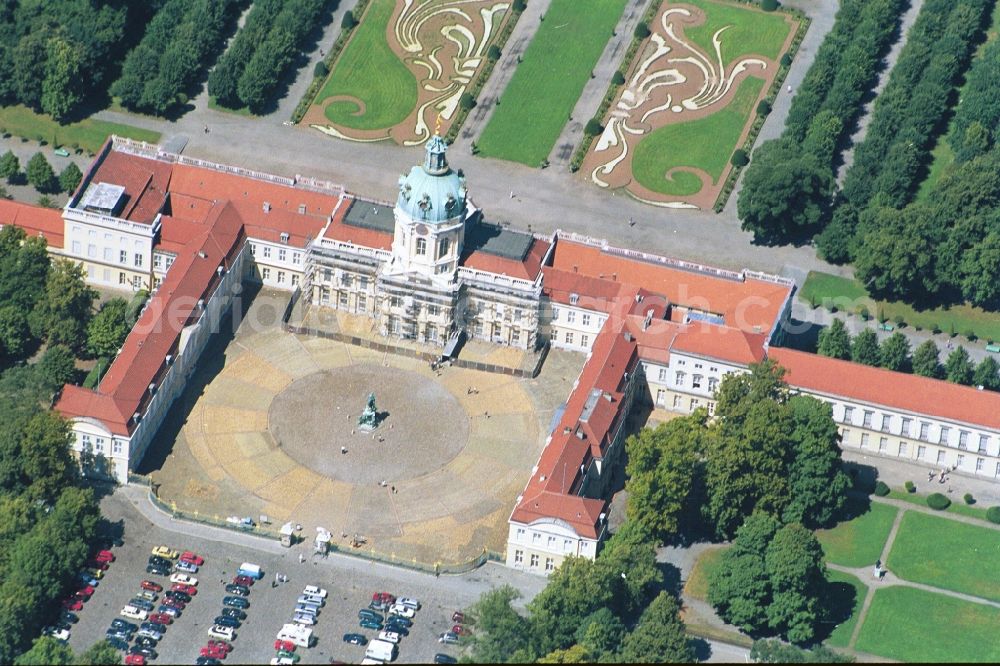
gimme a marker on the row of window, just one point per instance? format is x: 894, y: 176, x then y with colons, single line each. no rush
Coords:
x: 265, y: 251
x: 697, y: 381
x: 570, y: 317
x: 550, y: 564
x: 443, y: 246
x: 569, y: 338
x: 346, y: 279
x: 903, y: 450
x: 162, y: 262
x: 697, y: 366
x: 109, y: 254
x: 265, y: 273
x: 551, y: 541
x: 123, y: 279
x: 906, y: 429
x: 86, y: 442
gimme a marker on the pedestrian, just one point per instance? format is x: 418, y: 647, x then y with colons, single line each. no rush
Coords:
x: 394, y: 489
x: 789, y: 88
x: 343, y: 449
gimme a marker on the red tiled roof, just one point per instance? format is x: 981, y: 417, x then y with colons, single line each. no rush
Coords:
x: 145, y: 181
x: 124, y: 390
x: 720, y: 342
x: 895, y: 390
x: 583, y: 514
x: 592, y: 293
x: 744, y: 304
x: 526, y: 269
x: 363, y: 236
x: 35, y: 220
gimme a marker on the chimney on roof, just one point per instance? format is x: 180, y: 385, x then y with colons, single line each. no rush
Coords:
x: 201, y: 303
x: 628, y: 337
x: 267, y: 206
x: 638, y: 298
x: 648, y: 320
x: 566, y: 430
x: 219, y: 270
x: 302, y: 209
x: 580, y: 434
x: 152, y: 388
x: 136, y: 417
x: 602, y: 517
x: 608, y: 397
x: 169, y: 359
x: 202, y: 254
x: 576, y: 269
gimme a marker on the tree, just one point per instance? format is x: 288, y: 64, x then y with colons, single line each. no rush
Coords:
x: 894, y: 353
x: 63, y: 313
x: 46, y: 651
x: 46, y: 461
x: 101, y: 653
x: 739, y: 158
x: 818, y: 484
x: 958, y: 367
x: 348, y: 22
x: 663, y: 471
x: 865, y: 349
x: 9, y: 165
x: 593, y: 127
x: 797, y: 573
x: 57, y: 367
x: 70, y: 178
x: 925, y: 360
x: 601, y: 635
x: 618, y: 78
x: 659, y: 637
x: 785, y: 193
x: 773, y: 651
x: 641, y: 30
x: 493, y: 53
x: 15, y: 335
x: 467, y: 101
x: 40, y: 173
x: 768, y: 5
x: 835, y: 341
x: 739, y: 588
x: 60, y: 88
x: 986, y: 375
x: 573, y: 655
x: 896, y: 251
x: 500, y: 631
x: 573, y: 593
x: 109, y: 328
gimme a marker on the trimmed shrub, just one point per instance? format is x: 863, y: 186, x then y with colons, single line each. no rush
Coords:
x: 968, y: 498
x: 763, y: 107
x: 935, y: 329
x: 739, y: 158
x: 970, y: 335
x: 642, y: 30
x: 493, y: 53
x: 321, y: 71
x: 786, y: 60
x: 593, y: 127
x: 881, y: 489
x: 520, y: 5
x: 618, y: 78
x: 349, y: 21
x: 938, y: 502
x: 467, y: 101
x: 910, y: 488
x: 768, y: 5
x: 993, y: 514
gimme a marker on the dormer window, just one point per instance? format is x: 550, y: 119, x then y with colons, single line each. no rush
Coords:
x: 425, y: 203
x: 284, y: 237
x: 450, y: 203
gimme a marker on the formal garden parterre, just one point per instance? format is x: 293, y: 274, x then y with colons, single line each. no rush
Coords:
x: 405, y: 69
x: 688, y: 101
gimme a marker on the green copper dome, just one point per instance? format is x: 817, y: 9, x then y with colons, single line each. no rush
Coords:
x: 432, y: 192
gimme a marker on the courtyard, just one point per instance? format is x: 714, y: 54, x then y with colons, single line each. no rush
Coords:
x: 268, y: 427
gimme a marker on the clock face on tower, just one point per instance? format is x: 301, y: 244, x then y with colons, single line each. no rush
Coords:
x: 421, y: 229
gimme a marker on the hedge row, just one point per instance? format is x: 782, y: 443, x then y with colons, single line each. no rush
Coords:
x: 262, y: 63
x: 172, y: 54
x: 223, y: 80
x: 976, y: 127
x: 346, y: 29
x: 907, y: 117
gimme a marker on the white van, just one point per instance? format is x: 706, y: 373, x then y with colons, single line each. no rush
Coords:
x: 308, y: 609
x: 309, y: 600
x: 250, y: 569
x: 382, y: 650
x: 315, y: 591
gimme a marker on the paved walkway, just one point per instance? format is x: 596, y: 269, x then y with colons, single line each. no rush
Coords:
x: 896, y: 472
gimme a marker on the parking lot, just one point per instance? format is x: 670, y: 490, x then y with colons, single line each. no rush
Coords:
x: 349, y: 581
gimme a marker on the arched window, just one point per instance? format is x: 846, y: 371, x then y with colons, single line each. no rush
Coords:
x: 443, y: 246
x: 421, y: 246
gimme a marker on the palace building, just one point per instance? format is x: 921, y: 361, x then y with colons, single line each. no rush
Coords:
x: 430, y: 268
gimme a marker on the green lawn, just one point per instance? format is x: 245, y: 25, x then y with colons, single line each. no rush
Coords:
x: 958, y: 506
x: 369, y: 71
x: 697, y: 582
x: 89, y: 134
x: 847, y: 595
x: 547, y: 84
x: 858, y: 542
x: 912, y: 625
x: 752, y: 32
x: 947, y: 554
x: 706, y: 144
x: 847, y: 294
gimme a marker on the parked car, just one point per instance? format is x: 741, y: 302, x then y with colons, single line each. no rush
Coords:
x: 369, y: 623
x: 206, y: 661
x: 145, y: 641
x: 399, y: 620
x: 58, y: 634
x: 190, y: 590
x: 226, y: 633
x: 160, y: 561
x: 87, y: 579
x: 390, y: 636
x: 66, y: 616
x: 155, y: 626
x: 282, y: 661
x: 236, y: 602
x: 183, y: 579
x: 306, y: 608
x: 118, y: 635
x: 164, y: 551
x: 96, y: 573
x: 240, y: 590
x: 187, y: 567
x: 315, y: 591
x: 148, y: 595
x: 213, y: 652
x: 161, y: 618
x: 174, y: 603
x: 402, y: 631
x: 384, y: 597
x: 380, y: 606
x: 234, y: 613
x: 188, y: 556
x: 304, y: 618
x: 104, y: 556
x: 72, y: 604
x: 355, y: 639
x: 409, y: 602
x: 135, y: 660
x: 142, y: 603
x: 442, y: 658
x: 157, y: 570
x: 287, y: 646
x: 94, y: 564
x: 448, y: 637
x: 459, y: 617
x: 118, y: 643
x: 148, y: 653
x: 85, y: 592
x: 177, y: 594
x: 167, y: 609
x: 245, y: 581
x: 401, y: 611
x: 151, y: 586
x: 226, y: 621
x: 224, y: 646
x: 151, y: 633
x: 288, y: 655
x: 370, y: 614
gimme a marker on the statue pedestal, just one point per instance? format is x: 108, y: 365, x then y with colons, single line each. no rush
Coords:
x: 366, y: 427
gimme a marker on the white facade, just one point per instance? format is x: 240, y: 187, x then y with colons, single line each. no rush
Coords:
x: 115, y: 253
x: 541, y: 546
x: 279, y: 265
x: 572, y: 327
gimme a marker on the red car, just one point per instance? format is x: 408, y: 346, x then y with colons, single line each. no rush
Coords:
x: 222, y: 645
x: 84, y: 593
x: 174, y: 603
x: 459, y: 630
x: 135, y: 660
x: 161, y: 618
x: 72, y: 604
x: 244, y: 580
x: 288, y: 646
x: 186, y: 589
x: 104, y: 556
x: 384, y: 598
x: 458, y: 616
x: 151, y: 586
x: 213, y: 652
x: 95, y: 564
x: 188, y: 556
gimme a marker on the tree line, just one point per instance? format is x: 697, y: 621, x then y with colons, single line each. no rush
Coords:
x: 250, y: 71
x: 894, y: 354
x: 905, y: 121
x: 787, y: 187
x: 174, y: 51
x: 39, y: 173
x: 975, y: 127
